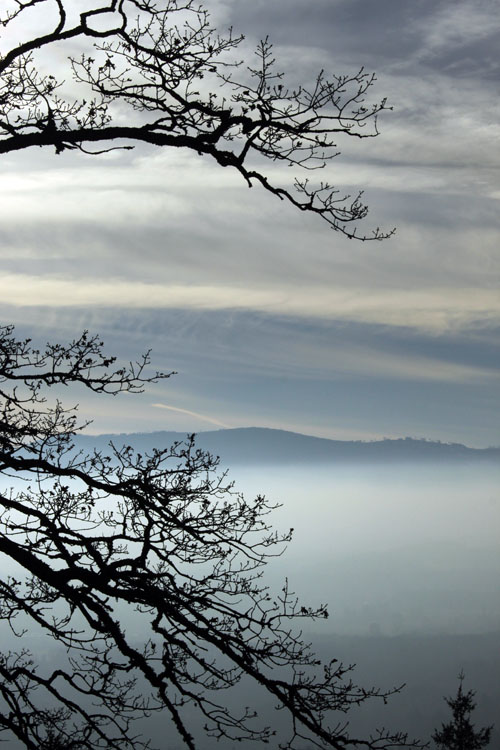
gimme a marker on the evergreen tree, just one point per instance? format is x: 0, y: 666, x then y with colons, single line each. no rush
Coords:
x: 460, y: 733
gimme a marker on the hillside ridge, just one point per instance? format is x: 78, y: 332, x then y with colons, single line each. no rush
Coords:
x: 268, y: 445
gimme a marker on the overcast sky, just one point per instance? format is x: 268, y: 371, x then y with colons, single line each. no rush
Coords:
x: 269, y: 317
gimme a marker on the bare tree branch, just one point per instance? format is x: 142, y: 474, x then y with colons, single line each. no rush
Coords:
x: 163, y: 535
x: 181, y: 86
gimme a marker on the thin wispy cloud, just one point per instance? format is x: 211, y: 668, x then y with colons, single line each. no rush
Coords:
x: 436, y: 309
x: 458, y: 24
x: 189, y: 413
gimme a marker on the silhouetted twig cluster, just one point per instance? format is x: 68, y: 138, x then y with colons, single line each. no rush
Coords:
x: 95, y: 535
x: 158, y: 73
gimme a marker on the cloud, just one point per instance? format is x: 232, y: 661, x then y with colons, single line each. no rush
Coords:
x: 436, y: 309
x: 237, y: 291
x: 458, y: 24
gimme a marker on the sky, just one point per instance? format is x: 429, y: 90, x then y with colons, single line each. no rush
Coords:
x: 269, y: 317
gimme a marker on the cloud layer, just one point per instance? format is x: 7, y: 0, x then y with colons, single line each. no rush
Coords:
x: 150, y: 236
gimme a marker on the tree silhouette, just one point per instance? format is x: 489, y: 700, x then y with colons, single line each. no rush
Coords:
x: 460, y: 733
x: 95, y: 540
x: 158, y: 73
x: 100, y: 542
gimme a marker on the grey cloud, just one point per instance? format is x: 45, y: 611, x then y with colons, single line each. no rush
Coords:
x: 169, y: 219
x: 471, y: 59
x: 442, y: 240
x: 384, y: 33
x: 359, y: 29
x: 260, y: 343
x: 246, y: 369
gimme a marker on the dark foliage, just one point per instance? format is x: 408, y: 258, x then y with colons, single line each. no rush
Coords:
x: 460, y: 733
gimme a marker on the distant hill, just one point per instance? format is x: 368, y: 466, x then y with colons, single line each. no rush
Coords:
x: 261, y: 445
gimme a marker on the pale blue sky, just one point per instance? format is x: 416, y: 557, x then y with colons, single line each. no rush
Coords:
x: 270, y: 318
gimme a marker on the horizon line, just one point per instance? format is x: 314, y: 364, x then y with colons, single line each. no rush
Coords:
x: 436, y: 441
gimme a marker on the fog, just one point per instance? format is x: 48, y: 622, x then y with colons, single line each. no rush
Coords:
x: 407, y: 557
x: 393, y: 549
